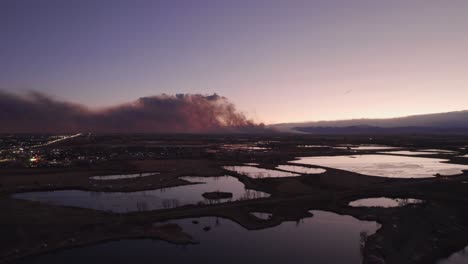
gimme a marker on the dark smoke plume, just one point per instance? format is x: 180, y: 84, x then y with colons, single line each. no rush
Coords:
x: 182, y: 113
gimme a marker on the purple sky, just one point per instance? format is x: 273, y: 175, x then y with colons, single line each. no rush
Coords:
x: 278, y: 61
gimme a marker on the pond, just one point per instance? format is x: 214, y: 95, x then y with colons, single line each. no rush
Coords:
x: 246, y: 147
x: 301, y: 169
x: 366, y: 147
x: 252, y: 164
x: 262, y: 215
x: 460, y: 257
x: 409, y: 152
x: 257, y: 173
x: 123, y: 202
x: 384, y: 202
x: 386, y: 165
x: 123, y: 176
x: 439, y: 151
x: 419, y: 152
x: 322, y: 239
x: 313, y: 146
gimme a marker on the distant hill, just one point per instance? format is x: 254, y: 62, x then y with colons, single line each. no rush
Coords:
x: 440, y: 123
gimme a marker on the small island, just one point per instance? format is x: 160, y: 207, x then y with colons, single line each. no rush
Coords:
x: 217, y: 195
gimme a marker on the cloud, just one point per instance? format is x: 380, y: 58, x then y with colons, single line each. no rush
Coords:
x: 181, y: 113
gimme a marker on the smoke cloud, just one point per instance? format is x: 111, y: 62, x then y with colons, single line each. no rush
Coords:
x: 181, y: 113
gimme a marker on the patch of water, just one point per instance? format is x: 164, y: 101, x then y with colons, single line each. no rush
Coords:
x: 420, y: 152
x: 460, y: 257
x: 257, y: 173
x: 252, y: 164
x: 313, y: 146
x: 123, y: 202
x: 262, y: 215
x: 123, y: 176
x: 384, y: 202
x: 247, y: 147
x: 386, y: 165
x: 324, y: 238
x: 408, y: 152
x: 365, y: 147
x: 301, y: 169
x: 438, y: 150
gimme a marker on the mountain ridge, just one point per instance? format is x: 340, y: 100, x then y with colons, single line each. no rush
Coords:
x: 446, y: 122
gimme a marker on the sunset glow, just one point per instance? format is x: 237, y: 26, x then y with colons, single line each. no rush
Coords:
x: 277, y: 61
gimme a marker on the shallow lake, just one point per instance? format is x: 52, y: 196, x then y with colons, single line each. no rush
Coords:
x: 247, y: 147
x: 438, y: 150
x: 384, y: 202
x: 262, y: 215
x: 324, y: 238
x: 366, y: 147
x: 419, y: 152
x: 301, y: 169
x: 123, y: 176
x: 122, y: 202
x: 409, y: 152
x: 460, y: 257
x: 313, y: 146
x: 256, y: 173
x: 386, y: 165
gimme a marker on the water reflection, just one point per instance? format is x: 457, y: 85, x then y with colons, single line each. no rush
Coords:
x: 313, y: 146
x: 322, y: 239
x: 387, y: 165
x: 256, y: 173
x: 122, y: 202
x: 420, y: 152
x: 363, y: 237
x: 408, y: 152
x: 123, y: 176
x: 365, y: 147
x: 262, y: 215
x: 438, y: 150
x: 300, y: 169
x: 245, y: 147
x: 460, y: 257
x: 384, y: 202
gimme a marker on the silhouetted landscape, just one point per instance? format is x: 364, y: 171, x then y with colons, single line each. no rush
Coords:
x: 234, y: 132
x: 442, y: 123
x: 80, y: 197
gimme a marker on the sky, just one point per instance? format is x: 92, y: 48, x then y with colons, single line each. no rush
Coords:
x: 277, y: 61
